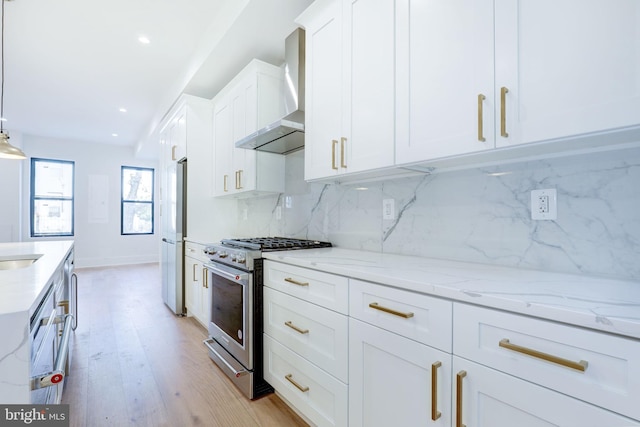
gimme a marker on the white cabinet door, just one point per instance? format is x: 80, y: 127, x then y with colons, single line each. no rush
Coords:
x: 489, y: 398
x: 222, y: 137
x: 324, y: 88
x: 570, y: 67
x: 445, y: 78
x: 391, y: 379
x: 350, y: 72
x: 368, y: 122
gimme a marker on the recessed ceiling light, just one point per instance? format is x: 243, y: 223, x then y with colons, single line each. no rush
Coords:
x: 123, y: 110
x: 144, y: 40
x: 114, y: 134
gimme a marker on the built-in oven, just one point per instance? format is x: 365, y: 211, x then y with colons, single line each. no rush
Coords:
x: 236, y: 324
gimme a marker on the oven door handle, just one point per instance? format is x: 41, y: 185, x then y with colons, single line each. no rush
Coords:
x: 237, y: 374
x: 57, y: 375
x: 231, y: 276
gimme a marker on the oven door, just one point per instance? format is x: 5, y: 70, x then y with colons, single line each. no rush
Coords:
x: 232, y: 311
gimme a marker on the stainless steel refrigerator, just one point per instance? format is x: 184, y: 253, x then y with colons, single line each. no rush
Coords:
x: 173, y: 230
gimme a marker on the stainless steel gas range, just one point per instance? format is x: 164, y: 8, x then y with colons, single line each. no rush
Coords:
x: 236, y: 324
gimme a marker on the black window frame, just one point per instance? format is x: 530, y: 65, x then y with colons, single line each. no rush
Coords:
x: 124, y: 201
x: 33, y: 197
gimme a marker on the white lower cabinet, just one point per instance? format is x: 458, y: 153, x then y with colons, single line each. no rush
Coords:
x: 306, y: 341
x: 420, y: 360
x: 395, y: 381
x: 196, y: 284
x: 485, y: 397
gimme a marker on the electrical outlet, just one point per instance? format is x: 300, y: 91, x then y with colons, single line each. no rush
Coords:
x: 544, y: 204
x: 388, y: 209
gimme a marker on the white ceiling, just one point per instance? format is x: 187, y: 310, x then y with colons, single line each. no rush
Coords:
x: 70, y: 65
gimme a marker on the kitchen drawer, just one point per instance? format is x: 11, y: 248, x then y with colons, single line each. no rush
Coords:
x: 611, y: 376
x: 314, y: 393
x: 419, y: 317
x: 315, y: 333
x: 195, y: 250
x: 326, y: 290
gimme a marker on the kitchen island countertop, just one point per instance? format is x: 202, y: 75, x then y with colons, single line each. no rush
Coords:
x: 21, y: 288
x: 597, y: 303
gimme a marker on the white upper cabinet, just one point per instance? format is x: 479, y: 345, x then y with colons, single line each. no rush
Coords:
x: 349, y: 108
x: 477, y: 75
x: 444, y: 78
x: 252, y: 100
x: 571, y: 67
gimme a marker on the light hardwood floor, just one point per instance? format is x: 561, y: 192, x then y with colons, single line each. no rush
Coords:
x: 134, y: 363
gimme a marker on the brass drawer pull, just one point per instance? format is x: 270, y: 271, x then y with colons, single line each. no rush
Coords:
x: 343, y: 163
x: 503, y: 112
x: 375, y: 306
x: 334, y: 144
x: 195, y: 279
x: 435, y: 414
x: 290, y: 324
x: 205, y: 278
x: 481, y: 137
x: 579, y: 366
x: 173, y: 152
x: 289, y: 378
x: 295, y: 282
x: 459, y: 376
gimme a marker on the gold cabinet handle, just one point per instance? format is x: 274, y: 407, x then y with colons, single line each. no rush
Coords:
x: 343, y: 163
x: 579, y: 366
x: 173, y: 152
x: 65, y: 304
x: 503, y: 112
x: 195, y: 279
x: 435, y: 414
x: 334, y: 144
x: 225, y: 183
x: 481, y: 137
x: 239, y: 187
x: 459, y: 376
x: 290, y: 324
x: 289, y: 378
x: 376, y: 306
x: 205, y: 282
x: 295, y: 282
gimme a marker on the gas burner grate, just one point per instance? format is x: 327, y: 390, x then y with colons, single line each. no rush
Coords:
x: 276, y: 243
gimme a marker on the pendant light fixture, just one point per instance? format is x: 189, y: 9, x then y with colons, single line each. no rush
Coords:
x: 7, y: 151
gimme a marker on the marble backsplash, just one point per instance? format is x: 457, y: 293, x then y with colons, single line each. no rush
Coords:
x: 475, y: 215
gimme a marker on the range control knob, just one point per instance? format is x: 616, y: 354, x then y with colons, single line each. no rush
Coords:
x: 223, y: 254
x: 240, y: 259
x: 233, y: 257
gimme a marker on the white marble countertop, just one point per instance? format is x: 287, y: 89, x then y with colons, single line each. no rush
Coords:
x: 22, y: 287
x: 597, y: 303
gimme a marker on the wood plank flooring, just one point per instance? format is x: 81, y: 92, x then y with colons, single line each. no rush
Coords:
x: 134, y: 363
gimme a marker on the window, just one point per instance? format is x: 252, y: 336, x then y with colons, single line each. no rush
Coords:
x: 137, y: 200
x: 51, y: 197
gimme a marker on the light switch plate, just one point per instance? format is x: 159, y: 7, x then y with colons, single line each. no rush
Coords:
x: 388, y: 209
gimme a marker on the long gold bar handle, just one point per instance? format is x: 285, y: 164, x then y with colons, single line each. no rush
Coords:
x: 334, y: 144
x: 237, y: 180
x: 459, y: 376
x: 481, y: 137
x: 240, y: 179
x: 579, y: 366
x: 295, y: 282
x: 195, y: 279
x: 376, y: 306
x: 503, y: 112
x: 435, y: 414
x: 225, y: 183
x: 289, y: 378
x: 343, y: 163
x: 173, y: 152
x: 290, y: 324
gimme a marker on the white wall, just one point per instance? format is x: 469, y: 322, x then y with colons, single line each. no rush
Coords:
x: 98, y: 241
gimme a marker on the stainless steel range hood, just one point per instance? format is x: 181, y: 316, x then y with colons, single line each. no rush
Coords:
x: 287, y: 134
